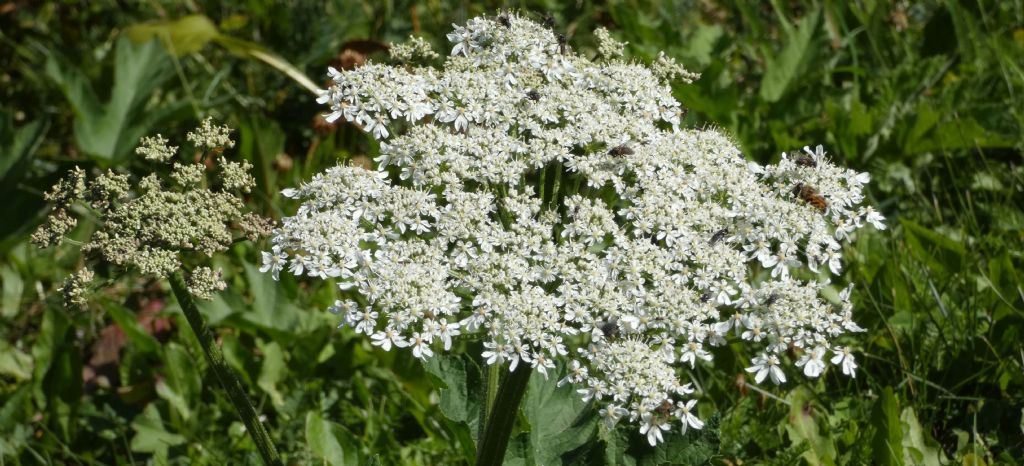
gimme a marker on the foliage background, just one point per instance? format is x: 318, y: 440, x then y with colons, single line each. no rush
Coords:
x: 925, y: 95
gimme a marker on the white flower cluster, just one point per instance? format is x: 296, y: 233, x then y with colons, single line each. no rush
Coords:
x: 553, y: 205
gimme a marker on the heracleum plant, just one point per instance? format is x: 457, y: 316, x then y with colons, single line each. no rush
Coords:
x: 159, y: 227
x: 553, y: 206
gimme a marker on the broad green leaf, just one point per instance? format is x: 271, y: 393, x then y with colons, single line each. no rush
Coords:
x: 919, y: 448
x: 13, y: 286
x: 175, y: 399
x: 16, y: 144
x: 222, y: 306
x: 182, y: 36
x: 886, y: 446
x: 110, y: 130
x: 273, y: 371
x: 461, y: 388
x: 14, y: 363
x: 803, y: 427
x: 782, y: 69
x: 15, y: 409
x: 615, y: 445
x: 460, y: 396
x: 694, y: 447
x: 329, y: 442
x: 559, y: 420
x: 270, y: 309
x: 150, y: 435
x: 939, y: 252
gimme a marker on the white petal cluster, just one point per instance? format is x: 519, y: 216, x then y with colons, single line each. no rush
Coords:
x: 553, y: 205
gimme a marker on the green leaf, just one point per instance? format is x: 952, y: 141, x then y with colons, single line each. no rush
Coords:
x: 182, y: 36
x: 694, y: 447
x: 782, y: 69
x: 272, y: 372
x: 138, y: 336
x: 460, y: 388
x: 255, y: 51
x: 110, y: 130
x: 329, y: 442
x: 150, y: 435
x: 47, y: 347
x: 803, y: 428
x: 271, y: 310
x: 183, y: 379
x: 460, y: 398
x: 17, y: 144
x: 919, y: 448
x: 559, y: 420
x: 14, y: 363
x: 938, y: 252
x: 13, y: 288
x: 887, y: 443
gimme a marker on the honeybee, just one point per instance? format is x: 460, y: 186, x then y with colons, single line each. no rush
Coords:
x: 619, y: 151
x: 719, y: 235
x: 665, y: 408
x: 810, y: 195
x: 805, y: 161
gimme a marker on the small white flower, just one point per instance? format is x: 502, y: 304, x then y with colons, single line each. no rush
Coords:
x: 844, y: 359
x: 686, y: 415
x: 652, y: 426
x: 274, y: 261
x: 767, y: 365
x: 420, y: 346
x: 812, y: 361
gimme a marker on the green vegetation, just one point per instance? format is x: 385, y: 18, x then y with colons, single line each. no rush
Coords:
x: 927, y: 96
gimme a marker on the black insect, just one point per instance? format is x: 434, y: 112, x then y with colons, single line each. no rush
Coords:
x: 549, y: 21
x: 619, y: 151
x: 705, y: 297
x: 719, y: 235
x: 771, y: 300
x: 610, y: 329
x: 503, y: 20
x: 805, y: 161
x: 563, y: 43
x: 533, y: 95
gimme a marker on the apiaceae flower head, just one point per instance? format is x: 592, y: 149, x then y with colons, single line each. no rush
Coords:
x: 555, y: 205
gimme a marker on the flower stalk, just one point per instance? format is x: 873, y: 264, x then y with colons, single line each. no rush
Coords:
x: 232, y: 386
x: 501, y: 414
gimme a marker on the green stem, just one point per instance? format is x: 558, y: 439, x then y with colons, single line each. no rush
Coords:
x: 227, y: 378
x: 502, y: 417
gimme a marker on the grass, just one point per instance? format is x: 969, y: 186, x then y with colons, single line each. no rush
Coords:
x: 926, y: 96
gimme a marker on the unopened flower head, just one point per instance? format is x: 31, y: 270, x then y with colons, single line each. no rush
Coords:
x: 152, y: 225
x: 554, y: 205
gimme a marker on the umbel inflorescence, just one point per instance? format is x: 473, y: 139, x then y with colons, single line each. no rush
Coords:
x: 553, y: 205
x: 152, y: 225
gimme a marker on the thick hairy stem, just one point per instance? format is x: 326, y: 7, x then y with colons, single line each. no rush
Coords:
x: 502, y: 416
x: 228, y: 380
